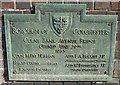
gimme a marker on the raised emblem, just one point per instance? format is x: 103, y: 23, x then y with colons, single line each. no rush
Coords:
x: 60, y: 24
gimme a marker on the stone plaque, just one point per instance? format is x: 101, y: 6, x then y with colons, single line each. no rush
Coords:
x: 60, y: 43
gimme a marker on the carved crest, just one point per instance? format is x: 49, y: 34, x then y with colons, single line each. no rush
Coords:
x: 60, y: 24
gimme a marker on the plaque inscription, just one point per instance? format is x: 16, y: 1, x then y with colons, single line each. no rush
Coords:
x: 60, y: 45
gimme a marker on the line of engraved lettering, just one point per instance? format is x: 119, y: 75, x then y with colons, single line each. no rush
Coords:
x: 90, y: 32
x: 26, y: 63
x: 102, y: 56
x: 76, y: 46
x: 30, y: 55
x: 63, y: 46
x: 47, y: 46
x: 87, y: 41
x: 95, y: 61
x: 79, y: 65
x: 52, y: 63
x: 28, y: 31
x: 34, y: 63
x: 60, y: 51
x: 103, y: 64
x: 44, y: 40
x: 75, y: 69
x: 66, y: 46
x: 83, y: 70
x: 84, y: 56
x: 90, y: 69
x: 31, y: 40
x: 34, y: 69
x: 47, y: 56
x: 17, y: 55
x: 73, y: 41
x: 87, y: 61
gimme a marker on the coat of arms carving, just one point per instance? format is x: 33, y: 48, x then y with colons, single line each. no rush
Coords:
x: 60, y: 24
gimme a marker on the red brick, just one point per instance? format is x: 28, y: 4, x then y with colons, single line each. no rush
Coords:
x: 111, y: 13
x: 118, y: 26
x: 0, y: 44
x: 5, y: 74
x: 23, y: 0
x: 97, y: 12
x: 11, y: 12
x: 117, y: 55
x: 0, y: 5
x: 39, y: 1
x: 115, y: 6
x: 33, y: 3
x: 118, y: 16
x: 7, y: 5
x: 117, y: 47
x: 0, y: 14
x: 117, y: 50
x: 119, y: 73
x: 119, y: 68
x: 2, y: 80
x: 23, y: 5
x: 118, y: 36
x: 1, y: 73
x: 1, y: 54
x: 70, y: 83
x: 26, y: 12
x: 41, y: 83
x: 88, y: 4
x: 56, y: 83
x: 1, y: 64
x: 115, y: 71
x: 0, y: 24
x: 102, y: 5
x: 70, y: 2
x: 55, y: 1
x: 83, y: 83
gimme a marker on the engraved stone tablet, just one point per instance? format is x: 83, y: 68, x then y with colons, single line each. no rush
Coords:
x: 60, y: 43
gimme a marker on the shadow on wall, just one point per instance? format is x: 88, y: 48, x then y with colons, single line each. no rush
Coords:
x: 5, y: 75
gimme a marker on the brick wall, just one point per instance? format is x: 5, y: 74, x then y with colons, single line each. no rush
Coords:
x: 104, y: 8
